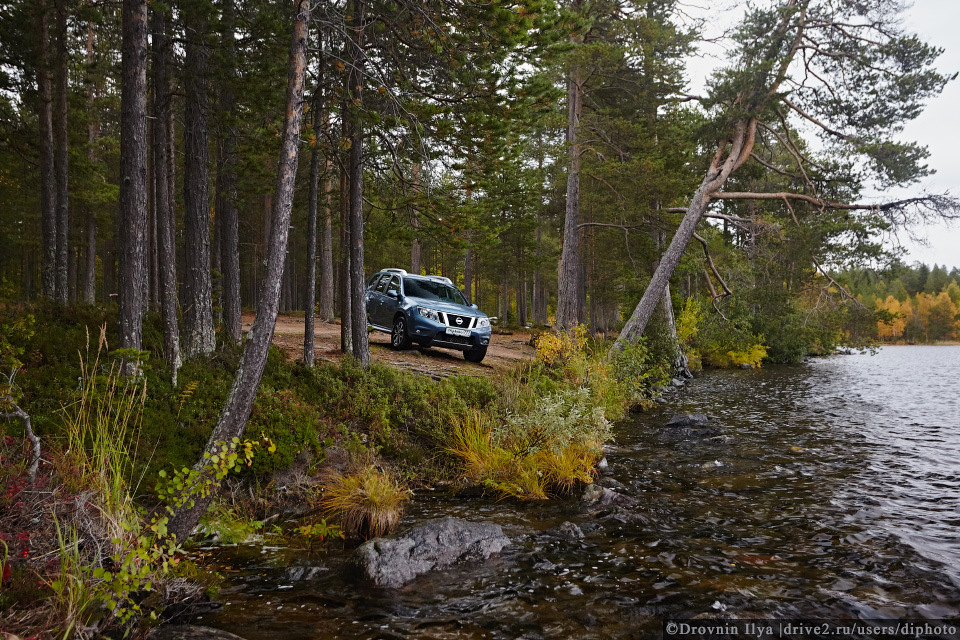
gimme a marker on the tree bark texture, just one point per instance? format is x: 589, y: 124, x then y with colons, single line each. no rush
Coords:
x: 326, y: 251
x: 309, y: 300
x: 570, y: 303
x: 163, y: 175
x: 361, y: 344
x: 228, y: 217
x: 346, y: 329
x: 48, y: 180
x: 61, y: 155
x: 236, y: 410
x: 199, y: 338
x: 415, y: 223
x: 730, y: 155
x: 133, y: 173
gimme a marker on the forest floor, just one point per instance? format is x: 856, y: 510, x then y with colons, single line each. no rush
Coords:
x: 505, y: 351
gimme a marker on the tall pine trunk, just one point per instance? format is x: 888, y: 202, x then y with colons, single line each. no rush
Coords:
x: 346, y: 322
x: 358, y: 311
x: 61, y: 155
x: 326, y: 250
x: 48, y: 180
x: 133, y: 173
x: 198, y: 338
x: 309, y: 300
x: 236, y: 410
x: 570, y: 298
x: 163, y: 175
x: 415, y: 222
x: 227, y: 216
x: 89, y: 294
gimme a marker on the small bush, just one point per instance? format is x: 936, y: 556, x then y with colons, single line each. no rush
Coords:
x: 638, y: 374
x: 568, y: 417
x: 560, y: 347
x: 288, y: 422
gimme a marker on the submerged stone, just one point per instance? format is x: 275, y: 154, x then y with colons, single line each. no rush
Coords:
x: 433, y: 545
x: 595, y: 495
x: 689, y: 420
x: 566, y: 531
x: 190, y: 632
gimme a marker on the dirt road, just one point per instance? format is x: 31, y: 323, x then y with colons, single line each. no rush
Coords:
x: 505, y: 350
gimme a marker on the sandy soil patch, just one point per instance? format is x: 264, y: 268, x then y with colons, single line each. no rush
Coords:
x: 505, y: 351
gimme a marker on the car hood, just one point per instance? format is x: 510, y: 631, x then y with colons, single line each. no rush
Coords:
x: 446, y: 307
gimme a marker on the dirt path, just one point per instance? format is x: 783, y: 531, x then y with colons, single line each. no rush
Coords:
x: 505, y: 350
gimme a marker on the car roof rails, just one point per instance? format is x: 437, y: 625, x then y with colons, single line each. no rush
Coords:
x: 442, y: 279
x: 400, y: 271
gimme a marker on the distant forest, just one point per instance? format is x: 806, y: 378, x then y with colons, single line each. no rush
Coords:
x: 918, y: 304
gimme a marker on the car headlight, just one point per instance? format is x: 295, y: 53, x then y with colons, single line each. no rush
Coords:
x: 483, y: 322
x: 429, y: 314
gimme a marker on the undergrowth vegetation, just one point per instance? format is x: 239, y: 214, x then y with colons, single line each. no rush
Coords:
x: 120, y: 452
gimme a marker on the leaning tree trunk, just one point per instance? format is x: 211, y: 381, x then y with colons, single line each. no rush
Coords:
x: 133, y: 174
x: 61, y: 156
x: 199, y: 338
x: 48, y: 180
x: 236, y: 410
x: 570, y: 301
x: 358, y: 310
x: 228, y: 218
x: 729, y: 156
x: 163, y: 175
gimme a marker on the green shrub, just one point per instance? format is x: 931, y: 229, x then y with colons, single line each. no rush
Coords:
x: 287, y: 421
x: 568, y: 417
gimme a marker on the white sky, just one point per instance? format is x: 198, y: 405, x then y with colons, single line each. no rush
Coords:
x: 937, y: 128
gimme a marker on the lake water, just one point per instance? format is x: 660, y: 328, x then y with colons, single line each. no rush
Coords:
x: 834, y: 491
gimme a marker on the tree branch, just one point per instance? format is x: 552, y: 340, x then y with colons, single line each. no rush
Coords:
x: 24, y: 417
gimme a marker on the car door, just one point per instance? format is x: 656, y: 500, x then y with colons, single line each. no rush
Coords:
x: 375, y: 300
x: 391, y: 302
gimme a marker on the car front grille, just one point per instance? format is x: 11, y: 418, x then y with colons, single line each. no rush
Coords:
x: 464, y: 321
x: 453, y: 339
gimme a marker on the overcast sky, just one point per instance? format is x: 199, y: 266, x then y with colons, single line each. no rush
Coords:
x: 937, y: 128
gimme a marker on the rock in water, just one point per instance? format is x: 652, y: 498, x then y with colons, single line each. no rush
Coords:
x: 566, y: 531
x: 433, y: 545
x: 596, y: 495
x: 689, y: 420
x: 189, y: 632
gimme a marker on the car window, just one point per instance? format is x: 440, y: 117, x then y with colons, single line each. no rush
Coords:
x: 431, y: 290
x: 382, y: 285
x: 394, y: 285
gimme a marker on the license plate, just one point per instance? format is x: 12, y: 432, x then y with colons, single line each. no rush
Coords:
x: 458, y: 332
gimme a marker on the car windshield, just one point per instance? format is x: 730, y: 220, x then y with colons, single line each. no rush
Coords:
x: 432, y: 290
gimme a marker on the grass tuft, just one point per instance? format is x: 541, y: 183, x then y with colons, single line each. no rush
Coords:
x: 368, y: 501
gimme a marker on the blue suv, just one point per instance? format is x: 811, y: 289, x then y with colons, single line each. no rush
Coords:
x: 427, y: 310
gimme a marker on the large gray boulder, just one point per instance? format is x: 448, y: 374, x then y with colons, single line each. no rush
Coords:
x: 433, y: 545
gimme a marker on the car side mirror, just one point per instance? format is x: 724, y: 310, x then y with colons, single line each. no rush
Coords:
x: 393, y: 294
x: 473, y: 306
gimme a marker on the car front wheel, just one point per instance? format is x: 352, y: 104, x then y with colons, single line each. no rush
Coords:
x: 475, y: 354
x: 399, y: 339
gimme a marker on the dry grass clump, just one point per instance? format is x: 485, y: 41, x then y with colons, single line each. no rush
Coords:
x: 368, y: 501
x: 512, y: 465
